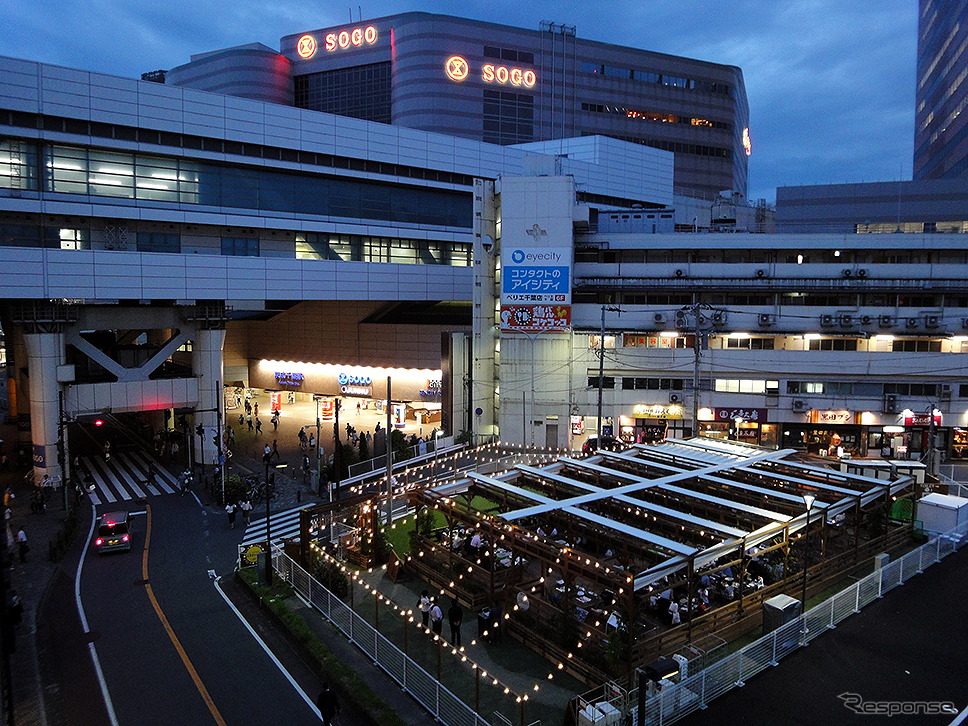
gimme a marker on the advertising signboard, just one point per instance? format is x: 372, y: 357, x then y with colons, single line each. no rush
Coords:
x: 536, y: 275
x: 535, y: 318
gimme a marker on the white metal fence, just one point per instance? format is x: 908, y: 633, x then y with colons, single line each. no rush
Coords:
x: 442, y: 704
x: 675, y: 701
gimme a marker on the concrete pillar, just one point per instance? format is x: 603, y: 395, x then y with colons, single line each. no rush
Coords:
x: 20, y: 395
x: 45, y: 352
x: 207, y: 364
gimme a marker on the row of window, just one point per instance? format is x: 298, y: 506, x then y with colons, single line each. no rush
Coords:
x: 101, y: 172
x: 120, y: 132
x: 768, y: 257
x: 912, y: 227
x: 654, y: 116
x: 662, y: 79
x: 509, y: 54
x: 797, y: 388
x: 678, y: 147
x: 309, y: 245
x: 840, y: 301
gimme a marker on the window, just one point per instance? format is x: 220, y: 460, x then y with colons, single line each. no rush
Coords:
x: 18, y: 165
x: 508, y: 117
x: 159, y: 242
x: 750, y: 343
x: 240, y: 246
x: 741, y: 385
x: 360, y: 92
x: 607, y: 381
x: 911, y: 389
x: 632, y: 340
x: 652, y: 384
x: 832, y: 344
x: 916, y: 346
x: 595, y: 341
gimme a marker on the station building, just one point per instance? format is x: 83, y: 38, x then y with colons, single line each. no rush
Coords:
x: 502, y: 85
x: 159, y: 242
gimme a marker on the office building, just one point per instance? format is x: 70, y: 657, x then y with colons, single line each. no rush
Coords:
x: 941, y: 113
x: 501, y: 85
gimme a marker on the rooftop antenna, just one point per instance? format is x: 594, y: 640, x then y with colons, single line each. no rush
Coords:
x: 351, y: 14
x: 359, y: 9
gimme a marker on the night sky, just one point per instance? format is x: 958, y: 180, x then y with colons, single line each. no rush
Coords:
x: 830, y: 84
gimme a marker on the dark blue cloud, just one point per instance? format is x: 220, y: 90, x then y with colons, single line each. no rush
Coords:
x: 830, y: 84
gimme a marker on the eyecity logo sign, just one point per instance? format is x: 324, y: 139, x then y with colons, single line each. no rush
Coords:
x: 346, y: 379
x: 520, y: 256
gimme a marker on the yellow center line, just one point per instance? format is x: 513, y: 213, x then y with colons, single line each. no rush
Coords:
x: 171, y: 633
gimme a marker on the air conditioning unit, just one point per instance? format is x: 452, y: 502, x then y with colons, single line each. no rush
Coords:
x: 765, y: 319
x: 911, y: 322
x: 659, y: 317
x: 720, y: 317
x: 931, y: 321
x: 846, y: 321
x: 890, y: 403
x: 826, y: 320
x: 944, y: 392
x: 675, y: 398
x: 682, y: 319
x: 798, y: 405
x: 866, y: 319
x: 886, y: 321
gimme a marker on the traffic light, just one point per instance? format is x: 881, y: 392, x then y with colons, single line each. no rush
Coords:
x: 200, y: 430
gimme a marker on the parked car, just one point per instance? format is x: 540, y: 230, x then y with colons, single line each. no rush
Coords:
x: 609, y: 443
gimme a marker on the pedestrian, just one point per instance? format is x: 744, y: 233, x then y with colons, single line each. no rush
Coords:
x: 4, y: 462
x: 328, y: 705
x: 174, y: 448
x: 22, y: 545
x: 107, y: 451
x: 275, y: 449
x: 230, y: 510
x: 231, y: 436
x: 255, y: 409
x: 152, y: 474
x: 436, y: 618
x: 358, y: 407
x: 248, y: 420
x: 248, y: 406
x: 455, y: 616
x: 8, y: 497
x: 312, y: 441
x: 424, y: 604
x: 241, y: 420
x: 292, y: 397
x: 246, y: 506
x: 275, y: 421
x: 258, y: 425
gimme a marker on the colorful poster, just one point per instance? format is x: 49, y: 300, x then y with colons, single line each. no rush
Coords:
x: 535, y: 318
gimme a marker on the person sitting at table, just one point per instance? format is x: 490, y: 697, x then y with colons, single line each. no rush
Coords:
x: 674, y: 611
x: 476, y: 544
x: 729, y: 590
x: 541, y: 532
x: 758, y: 582
x: 703, y: 595
x: 676, y: 618
x: 704, y: 580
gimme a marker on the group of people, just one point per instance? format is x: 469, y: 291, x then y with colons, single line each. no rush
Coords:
x: 433, y: 617
x: 243, y: 505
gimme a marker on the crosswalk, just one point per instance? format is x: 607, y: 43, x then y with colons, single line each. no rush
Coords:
x: 284, y: 526
x: 125, y: 477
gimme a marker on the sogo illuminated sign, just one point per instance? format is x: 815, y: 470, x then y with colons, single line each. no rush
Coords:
x: 339, y: 40
x: 457, y: 69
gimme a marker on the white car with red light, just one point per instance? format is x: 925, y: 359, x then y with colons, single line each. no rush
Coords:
x: 113, y: 533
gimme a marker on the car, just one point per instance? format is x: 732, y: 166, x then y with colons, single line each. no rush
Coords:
x: 609, y: 443
x: 113, y: 533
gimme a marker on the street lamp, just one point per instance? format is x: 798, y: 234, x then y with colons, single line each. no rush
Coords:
x: 808, y: 499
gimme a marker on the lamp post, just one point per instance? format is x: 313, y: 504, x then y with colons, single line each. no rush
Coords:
x: 808, y: 499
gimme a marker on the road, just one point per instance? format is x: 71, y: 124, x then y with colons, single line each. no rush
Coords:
x: 170, y: 647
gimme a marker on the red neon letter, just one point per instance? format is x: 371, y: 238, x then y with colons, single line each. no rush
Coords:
x: 369, y: 35
x: 343, y: 39
x: 488, y: 72
x: 331, y: 41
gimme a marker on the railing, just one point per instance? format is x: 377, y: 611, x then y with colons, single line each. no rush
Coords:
x: 428, y: 690
x: 675, y: 701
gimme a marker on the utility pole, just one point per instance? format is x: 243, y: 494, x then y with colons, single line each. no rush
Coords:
x: 697, y: 350
x: 601, y: 368
x: 389, y: 456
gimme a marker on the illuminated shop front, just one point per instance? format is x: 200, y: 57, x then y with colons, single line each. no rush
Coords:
x: 748, y: 425
x: 418, y: 390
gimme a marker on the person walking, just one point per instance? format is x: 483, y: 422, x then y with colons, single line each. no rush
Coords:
x: 275, y: 421
x: 455, y: 616
x: 246, y: 506
x: 22, y: 546
x: 436, y: 618
x: 328, y: 705
x: 248, y: 421
x: 275, y: 449
x: 230, y: 510
x: 258, y: 425
x: 312, y: 442
x: 424, y: 604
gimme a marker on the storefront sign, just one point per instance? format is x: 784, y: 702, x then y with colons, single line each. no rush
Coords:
x: 433, y: 388
x: 830, y: 417
x: 458, y: 69
x: 577, y: 425
x: 657, y: 410
x: 398, y: 415
x: 40, y: 456
x: 756, y: 415
x: 535, y: 318
x: 345, y: 379
x: 288, y: 378
x: 922, y: 419
x: 356, y: 391
x: 536, y: 274
x: 327, y: 409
